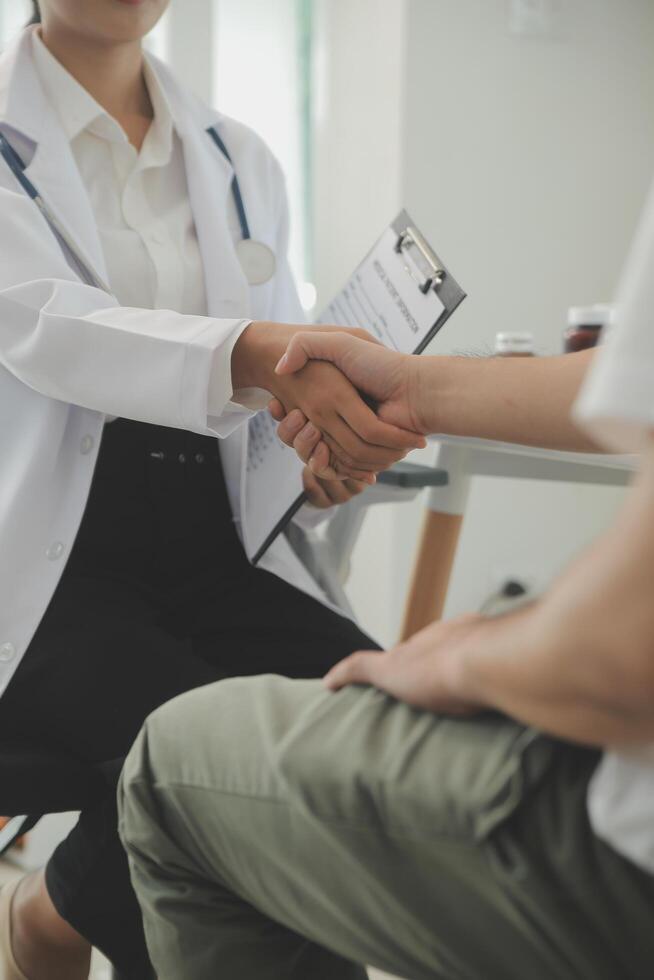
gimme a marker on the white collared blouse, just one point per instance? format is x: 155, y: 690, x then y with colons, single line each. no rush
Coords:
x: 140, y: 199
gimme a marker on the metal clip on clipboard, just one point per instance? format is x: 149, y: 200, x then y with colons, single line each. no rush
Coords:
x: 411, y: 238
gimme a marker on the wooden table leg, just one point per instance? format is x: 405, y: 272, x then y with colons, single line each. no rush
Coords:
x: 432, y: 569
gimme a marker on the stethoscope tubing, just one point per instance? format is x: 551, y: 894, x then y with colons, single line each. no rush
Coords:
x: 236, y: 187
x: 17, y: 167
x: 90, y: 277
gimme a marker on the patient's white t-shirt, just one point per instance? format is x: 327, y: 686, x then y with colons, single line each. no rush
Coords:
x: 616, y: 405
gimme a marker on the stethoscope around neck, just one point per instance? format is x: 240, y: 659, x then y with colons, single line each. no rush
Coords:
x: 257, y: 259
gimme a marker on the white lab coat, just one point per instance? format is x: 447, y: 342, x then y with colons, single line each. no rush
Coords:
x: 70, y: 356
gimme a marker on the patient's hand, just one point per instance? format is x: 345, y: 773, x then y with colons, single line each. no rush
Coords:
x: 390, y: 381
x: 359, y: 443
x: 423, y: 671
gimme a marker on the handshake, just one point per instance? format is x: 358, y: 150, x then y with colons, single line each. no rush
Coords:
x: 348, y: 406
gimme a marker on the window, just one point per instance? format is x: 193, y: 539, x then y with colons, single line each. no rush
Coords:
x: 262, y: 76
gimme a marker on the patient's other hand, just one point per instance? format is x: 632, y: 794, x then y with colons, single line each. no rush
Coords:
x: 424, y: 671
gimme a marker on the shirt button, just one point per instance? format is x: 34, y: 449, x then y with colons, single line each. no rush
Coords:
x: 181, y: 458
x: 199, y: 457
x: 55, y: 550
x: 86, y: 445
x: 7, y: 652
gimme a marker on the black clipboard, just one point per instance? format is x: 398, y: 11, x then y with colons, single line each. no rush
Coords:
x: 424, y: 266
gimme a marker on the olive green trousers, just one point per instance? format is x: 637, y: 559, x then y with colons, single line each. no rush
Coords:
x: 279, y: 832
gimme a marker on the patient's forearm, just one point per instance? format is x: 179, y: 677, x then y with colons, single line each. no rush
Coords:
x: 522, y: 400
x: 571, y: 691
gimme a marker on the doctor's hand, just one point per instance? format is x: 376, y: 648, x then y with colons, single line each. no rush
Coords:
x: 330, y: 493
x: 389, y: 378
x: 358, y: 443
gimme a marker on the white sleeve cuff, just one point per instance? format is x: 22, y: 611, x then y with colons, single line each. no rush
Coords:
x: 254, y: 399
x: 222, y: 414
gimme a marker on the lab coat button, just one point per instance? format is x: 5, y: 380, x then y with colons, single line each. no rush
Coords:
x: 86, y: 445
x: 55, y: 550
x: 7, y: 652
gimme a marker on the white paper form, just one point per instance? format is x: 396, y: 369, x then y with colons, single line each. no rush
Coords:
x: 273, y: 480
x: 383, y: 296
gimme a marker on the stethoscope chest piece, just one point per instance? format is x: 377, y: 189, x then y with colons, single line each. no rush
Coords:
x: 257, y: 261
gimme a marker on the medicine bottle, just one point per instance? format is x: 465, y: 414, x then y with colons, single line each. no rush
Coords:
x: 514, y: 345
x: 585, y: 325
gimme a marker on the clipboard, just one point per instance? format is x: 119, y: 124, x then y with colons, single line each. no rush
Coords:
x: 403, y: 294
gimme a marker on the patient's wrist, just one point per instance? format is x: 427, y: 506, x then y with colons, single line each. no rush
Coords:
x: 489, y: 666
x: 429, y: 387
x: 458, y: 395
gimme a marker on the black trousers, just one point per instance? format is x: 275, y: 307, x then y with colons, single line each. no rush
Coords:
x: 118, y: 640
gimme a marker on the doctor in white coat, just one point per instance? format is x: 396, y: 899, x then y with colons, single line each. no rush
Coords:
x: 122, y: 574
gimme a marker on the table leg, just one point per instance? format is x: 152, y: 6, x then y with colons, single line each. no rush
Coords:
x: 440, y: 537
x: 432, y: 569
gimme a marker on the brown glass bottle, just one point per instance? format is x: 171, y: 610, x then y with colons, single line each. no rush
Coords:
x: 585, y: 324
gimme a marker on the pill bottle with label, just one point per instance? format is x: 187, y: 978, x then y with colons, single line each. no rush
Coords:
x: 514, y: 345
